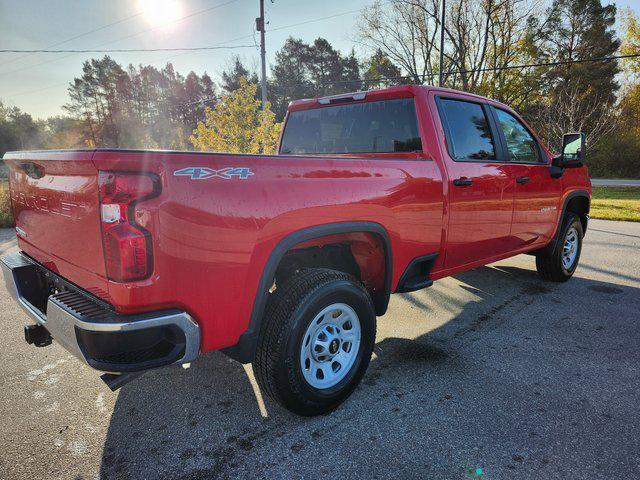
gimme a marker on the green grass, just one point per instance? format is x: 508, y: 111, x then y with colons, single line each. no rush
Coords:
x: 6, y: 218
x: 616, y: 203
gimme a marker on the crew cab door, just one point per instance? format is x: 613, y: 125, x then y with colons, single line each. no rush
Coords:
x: 537, y: 195
x: 481, y: 189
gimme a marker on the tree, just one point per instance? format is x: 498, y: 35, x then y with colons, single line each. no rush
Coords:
x: 579, y: 95
x: 290, y: 76
x: 237, y: 124
x: 231, y: 78
x: 618, y: 154
x: 96, y: 97
x: 480, y: 39
x: 327, y: 67
x: 406, y: 32
x: 577, y: 30
x: 137, y: 107
x: 18, y: 130
x: 312, y: 70
x: 571, y: 111
x: 351, y: 80
x: 381, y: 71
x: 61, y: 132
x: 630, y: 41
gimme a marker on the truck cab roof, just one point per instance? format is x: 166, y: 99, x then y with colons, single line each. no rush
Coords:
x: 400, y: 91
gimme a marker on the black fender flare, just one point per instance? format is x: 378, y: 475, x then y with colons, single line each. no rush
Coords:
x: 574, y: 194
x: 244, y: 350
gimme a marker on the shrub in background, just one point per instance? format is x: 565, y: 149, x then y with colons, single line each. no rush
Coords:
x: 6, y: 217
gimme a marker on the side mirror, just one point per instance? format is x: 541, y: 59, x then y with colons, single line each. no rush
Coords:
x: 573, y: 150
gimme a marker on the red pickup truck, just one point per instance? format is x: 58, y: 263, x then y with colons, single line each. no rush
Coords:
x: 138, y: 259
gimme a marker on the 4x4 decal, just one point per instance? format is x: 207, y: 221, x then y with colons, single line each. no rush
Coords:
x: 202, y: 173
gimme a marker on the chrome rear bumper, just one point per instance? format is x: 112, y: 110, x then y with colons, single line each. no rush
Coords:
x: 91, y: 330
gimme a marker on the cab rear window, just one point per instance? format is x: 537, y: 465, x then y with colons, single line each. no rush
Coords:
x: 369, y: 127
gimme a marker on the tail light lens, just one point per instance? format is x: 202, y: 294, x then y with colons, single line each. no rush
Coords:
x: 128, y: 253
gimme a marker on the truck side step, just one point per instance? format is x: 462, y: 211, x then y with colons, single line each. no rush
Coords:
x: 416, y: 275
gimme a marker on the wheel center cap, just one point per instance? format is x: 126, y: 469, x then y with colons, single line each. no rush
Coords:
x: 333, y: 346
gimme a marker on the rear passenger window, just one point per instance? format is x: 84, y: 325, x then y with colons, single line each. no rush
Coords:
x: 469, y: 135
x: 520, y: 143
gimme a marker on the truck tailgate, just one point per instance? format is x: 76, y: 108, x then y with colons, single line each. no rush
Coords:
x: 56, y: 208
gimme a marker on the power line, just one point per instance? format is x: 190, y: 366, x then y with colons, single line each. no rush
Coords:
x: 103, y: 27
x: 305, y: 22
x: 321, y: 18
x: 400, y: 77
x: 193, y: 14
x: 431, y: 75
x: 488, y: 69
x: 127, y: 50
x: 362, y: 81
x: 549, y: 64
x: 37, y: 90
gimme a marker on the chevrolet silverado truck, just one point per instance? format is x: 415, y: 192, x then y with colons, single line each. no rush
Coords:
x: 133, y: 259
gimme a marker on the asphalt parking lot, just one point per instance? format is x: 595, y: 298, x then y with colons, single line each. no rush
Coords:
x: 491, y: 374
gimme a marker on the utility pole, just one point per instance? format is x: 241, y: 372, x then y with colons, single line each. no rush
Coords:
x: 441, y: 45
x: 260, y: 28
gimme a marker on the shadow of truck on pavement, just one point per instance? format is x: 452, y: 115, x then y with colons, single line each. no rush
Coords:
x: 435, y: 393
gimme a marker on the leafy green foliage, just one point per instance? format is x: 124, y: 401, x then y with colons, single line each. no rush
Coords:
x: 18, y: 130
x: 237, y: 124
x: 6, y: 217
x: 631, y: 41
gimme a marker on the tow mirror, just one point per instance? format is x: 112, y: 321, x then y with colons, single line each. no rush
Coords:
x: 573, y: 150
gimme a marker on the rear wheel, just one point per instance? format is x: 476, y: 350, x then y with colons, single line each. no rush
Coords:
x: 316, y: 341
x: 559, y: 265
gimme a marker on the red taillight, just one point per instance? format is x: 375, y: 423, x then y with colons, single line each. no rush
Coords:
x: 128, y: 254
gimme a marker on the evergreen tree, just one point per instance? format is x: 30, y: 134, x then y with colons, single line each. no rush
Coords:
x: 381, y: 71
x: 311, y: 70
x: 575, y: 95
x: 578, y: 30
x: 290, y: 79
x: 231, y: 78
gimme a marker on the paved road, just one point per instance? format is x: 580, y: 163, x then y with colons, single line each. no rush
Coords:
x: 615, y: 182
x: 492, y: 369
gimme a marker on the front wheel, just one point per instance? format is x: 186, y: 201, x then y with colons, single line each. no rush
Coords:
x: 559, y: 265
x: 316, y: 341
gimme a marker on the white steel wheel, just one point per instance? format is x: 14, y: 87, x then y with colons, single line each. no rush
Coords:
x: 570, y: 248
x: 330, y: 346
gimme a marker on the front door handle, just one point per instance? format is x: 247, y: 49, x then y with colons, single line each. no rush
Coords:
x: 522, y: 180
x: 462, y: 182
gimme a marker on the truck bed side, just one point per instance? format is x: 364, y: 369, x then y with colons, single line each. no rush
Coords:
x: 212, y: 236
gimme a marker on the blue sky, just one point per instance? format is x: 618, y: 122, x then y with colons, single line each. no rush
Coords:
x: 37, y: 82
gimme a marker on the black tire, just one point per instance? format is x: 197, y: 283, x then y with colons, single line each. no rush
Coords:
x: 549, y: 264
x: 291, y: 309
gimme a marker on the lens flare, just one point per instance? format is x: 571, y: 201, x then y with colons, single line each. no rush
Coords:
x: 161, y: 13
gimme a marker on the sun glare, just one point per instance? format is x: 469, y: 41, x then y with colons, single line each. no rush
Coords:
x: 161, y: 12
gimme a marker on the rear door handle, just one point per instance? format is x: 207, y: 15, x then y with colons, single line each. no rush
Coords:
x: 462, y: 182
x: 522, y: 180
